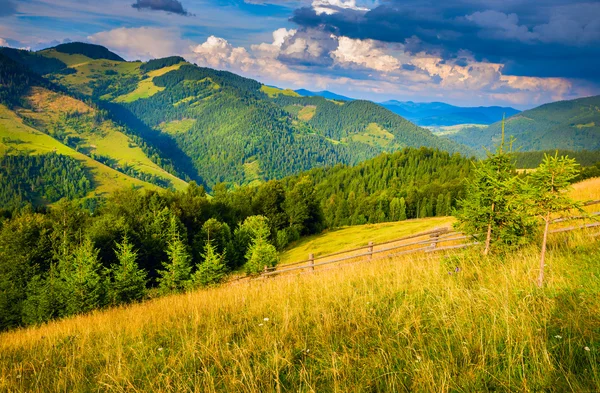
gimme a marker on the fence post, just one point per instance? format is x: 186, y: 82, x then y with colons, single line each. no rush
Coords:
x: 311, y: 261
x: 434, y: 239
x: 370, y: 256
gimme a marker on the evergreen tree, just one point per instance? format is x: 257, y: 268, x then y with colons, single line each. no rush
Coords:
x: 177, y: 273
x: 83, y: 282
x: 45, y: 297
x: 259, y: 255
x: 494, y: 207
x: 127, y: 281
x: 547, y: 191
x: 212, y: 270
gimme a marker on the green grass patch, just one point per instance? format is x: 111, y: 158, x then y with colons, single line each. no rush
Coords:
x: 177, y: 126
x: 374, y: 135
x: 274, y: 92
x: 356, y: 236
x: 307, y: 113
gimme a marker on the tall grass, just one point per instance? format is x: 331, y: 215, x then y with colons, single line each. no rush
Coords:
x: 411, y: 324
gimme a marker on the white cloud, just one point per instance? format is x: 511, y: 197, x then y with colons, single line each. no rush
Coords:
x: 3, y: 42
x: 331, y: 7
x: 141, y: 43
x: 364, y: 53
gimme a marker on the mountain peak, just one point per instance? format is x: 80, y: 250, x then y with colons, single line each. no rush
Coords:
x: 92, y: 51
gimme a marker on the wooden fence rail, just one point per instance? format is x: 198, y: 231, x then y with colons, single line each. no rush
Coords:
x: 430, y: 245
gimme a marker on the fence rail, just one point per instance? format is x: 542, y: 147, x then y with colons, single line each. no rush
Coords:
x: 431, y: 240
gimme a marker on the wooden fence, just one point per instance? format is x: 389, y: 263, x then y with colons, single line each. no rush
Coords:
x: 423, y: 242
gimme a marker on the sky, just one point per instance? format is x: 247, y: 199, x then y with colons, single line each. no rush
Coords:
x: 518, y: 53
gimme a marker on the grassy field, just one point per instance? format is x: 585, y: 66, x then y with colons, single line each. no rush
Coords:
x: 276, y: 92
x: 146, y: 87
x: 392, y: 325
x: 360, y: 235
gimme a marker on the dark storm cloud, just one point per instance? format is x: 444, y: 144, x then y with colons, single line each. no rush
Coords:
x: 7, y: 7
x: 548, y: 38
x: 172, y: 6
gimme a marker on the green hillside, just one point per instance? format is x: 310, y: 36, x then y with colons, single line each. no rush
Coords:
x: 37, y: 117
x: 567, y: 125
x: 219, y: 127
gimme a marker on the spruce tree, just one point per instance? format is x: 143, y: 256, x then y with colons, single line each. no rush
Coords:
x: 177, y: 273
x: 83, y: 281
x: 494, y: 209
x: 127, y: 281
x: 212, y: 269
x: 547, y: 195
x: 259, y: 255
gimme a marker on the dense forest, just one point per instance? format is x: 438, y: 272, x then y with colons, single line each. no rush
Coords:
x: 174, y: 231
x: 40, y: 179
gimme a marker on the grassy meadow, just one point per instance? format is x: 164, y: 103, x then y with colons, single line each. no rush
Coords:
x: 407, y: 324
x: 458, y: 322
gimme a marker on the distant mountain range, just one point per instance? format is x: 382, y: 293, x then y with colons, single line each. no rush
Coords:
x: 431, y: 114
x: 325, y: 94
x: 567, y: 125
x: 428, y: 114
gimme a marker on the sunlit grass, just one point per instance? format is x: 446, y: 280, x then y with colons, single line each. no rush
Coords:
x: 408, y: 324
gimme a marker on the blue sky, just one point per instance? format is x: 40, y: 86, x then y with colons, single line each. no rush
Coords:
x: 466, y: 52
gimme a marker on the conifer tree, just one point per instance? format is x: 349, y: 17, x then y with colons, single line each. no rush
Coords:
x: 493, y: 208
x: 547, y: 191
x: 45, y: 297
x: 212, y: 269
x: 83, y: 282
x: 177, y: 273
x: 259, y: 255
x: 127, y: 281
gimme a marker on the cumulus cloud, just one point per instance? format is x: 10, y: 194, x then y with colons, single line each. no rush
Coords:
x: 141, y: 43
x: 364, y: 53
x: 330, y: 7
x: 171, y: 6
x: 556, y: 39
x: 373, y: 67
x: 3, y: 42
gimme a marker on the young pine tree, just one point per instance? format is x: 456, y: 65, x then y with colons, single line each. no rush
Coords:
x: 547, y: 190
x: 212, y: 269
x: 127, y: 281
x: 177, y: 273
x: 45, y: 297
x: 259, y: 255
x: 83, y: 282
x: 494, y: 208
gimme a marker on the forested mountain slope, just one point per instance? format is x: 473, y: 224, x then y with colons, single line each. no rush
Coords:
x: 37, y: 117
x: 568, y: 125
x: 216, y: 126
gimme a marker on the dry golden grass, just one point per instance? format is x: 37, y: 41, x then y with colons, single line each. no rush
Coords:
x: 408, y: 324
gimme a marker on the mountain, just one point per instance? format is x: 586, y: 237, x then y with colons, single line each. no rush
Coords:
x: 214, y: 126
x: 442, y: 114
x: 41, y: 119
x: 325, y: 94
x: 566, y: 125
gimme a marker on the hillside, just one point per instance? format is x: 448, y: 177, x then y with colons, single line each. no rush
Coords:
x: 37, y: 117
x: 402, y: 324
x: 566, y: 125
x: 439, y: 114
x: 219, y: 127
